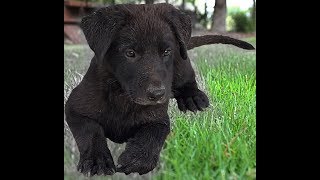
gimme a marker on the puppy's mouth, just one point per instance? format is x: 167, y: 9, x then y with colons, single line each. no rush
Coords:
x: 146, y: 102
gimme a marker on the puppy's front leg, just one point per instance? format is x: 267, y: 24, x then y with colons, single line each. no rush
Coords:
x: 185, y: 88
x: 142, y: 152
x: 95, y: 156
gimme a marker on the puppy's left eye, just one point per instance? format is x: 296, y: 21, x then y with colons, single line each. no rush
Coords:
x: 130, y: 53
x: 167, y: 52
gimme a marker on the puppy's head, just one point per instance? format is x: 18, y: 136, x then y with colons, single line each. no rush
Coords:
x: 138, y: 45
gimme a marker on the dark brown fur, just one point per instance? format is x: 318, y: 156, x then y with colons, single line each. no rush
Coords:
x: 124, y: 97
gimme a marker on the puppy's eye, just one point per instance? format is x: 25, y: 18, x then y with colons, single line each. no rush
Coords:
x: 167, y: 52
x: 130, y: 53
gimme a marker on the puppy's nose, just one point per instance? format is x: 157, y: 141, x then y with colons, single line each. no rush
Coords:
x: 155, y: 93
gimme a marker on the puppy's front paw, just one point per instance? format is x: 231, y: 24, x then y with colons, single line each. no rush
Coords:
x: 138, y: 161
x: 197, y: 101
x: 98, y: 164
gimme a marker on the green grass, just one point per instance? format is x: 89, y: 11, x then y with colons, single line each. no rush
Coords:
x: 219, y: 143
x: 251, y: 40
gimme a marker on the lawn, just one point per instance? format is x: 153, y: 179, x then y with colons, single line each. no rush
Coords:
x: 219, y: 143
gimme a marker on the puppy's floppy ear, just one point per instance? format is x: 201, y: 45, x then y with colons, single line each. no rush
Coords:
x: 180, y: 23
x: 100, y: 28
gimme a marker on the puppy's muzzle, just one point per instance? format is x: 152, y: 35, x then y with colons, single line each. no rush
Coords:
x: 155, y: 93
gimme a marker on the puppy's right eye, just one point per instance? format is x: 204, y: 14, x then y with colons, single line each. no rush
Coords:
x: 167, y: 52
x: 130, y: 53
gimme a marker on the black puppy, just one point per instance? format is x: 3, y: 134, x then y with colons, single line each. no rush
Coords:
x: 140, y: 62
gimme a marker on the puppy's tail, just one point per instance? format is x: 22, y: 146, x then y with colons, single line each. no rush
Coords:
x: 197, y: 41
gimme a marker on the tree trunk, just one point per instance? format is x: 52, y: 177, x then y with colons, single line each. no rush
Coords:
x: 183, y: 5
x: 167, y: 1
x: 204, y: 16
x: 254, y: 12
x: 219, y: 16
x: 193, y: 2
x: 149, y: 1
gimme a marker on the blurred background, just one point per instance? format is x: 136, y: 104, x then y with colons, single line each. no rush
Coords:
x: 235, y: 17
x: 218, y: 143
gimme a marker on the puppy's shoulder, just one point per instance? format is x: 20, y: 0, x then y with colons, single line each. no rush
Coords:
x: 85, y: 100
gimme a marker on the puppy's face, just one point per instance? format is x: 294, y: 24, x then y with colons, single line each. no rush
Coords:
x: 141, y: 58
x: 138, y: 44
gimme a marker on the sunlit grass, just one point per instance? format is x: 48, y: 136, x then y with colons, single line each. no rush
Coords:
x: 220, y: 142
